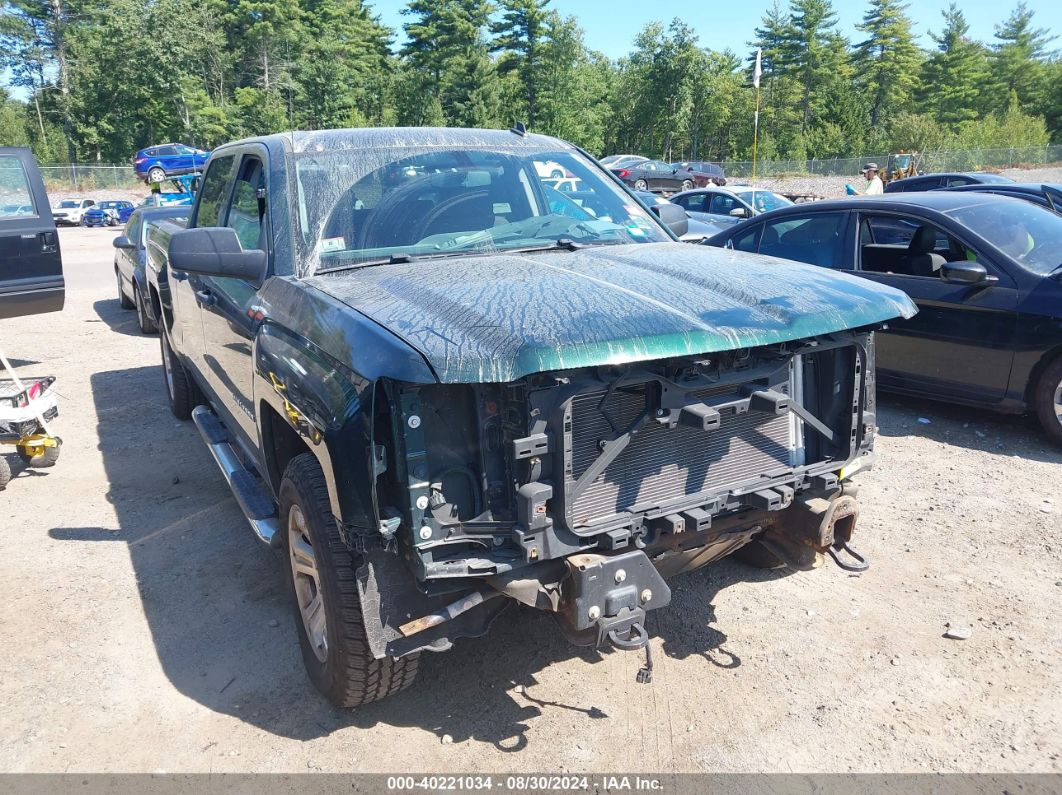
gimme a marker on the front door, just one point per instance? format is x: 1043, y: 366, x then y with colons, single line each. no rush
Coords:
x: 186, y: 289
x: 961, y: 342
x: 228, y: 311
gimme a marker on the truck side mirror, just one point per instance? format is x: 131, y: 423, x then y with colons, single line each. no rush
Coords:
x: 673, y: 217
x: 215, y: 251
x: 123, y: 242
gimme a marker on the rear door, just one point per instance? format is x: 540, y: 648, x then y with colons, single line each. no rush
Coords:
x: 31, y: 268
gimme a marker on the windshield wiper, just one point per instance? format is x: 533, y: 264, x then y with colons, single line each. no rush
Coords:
x: 563, y: 244
x: 393, y: 259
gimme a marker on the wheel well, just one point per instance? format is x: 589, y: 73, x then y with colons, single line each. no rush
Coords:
x: 156, y: 302
x: 280, y: 443
x: 1034, y: 377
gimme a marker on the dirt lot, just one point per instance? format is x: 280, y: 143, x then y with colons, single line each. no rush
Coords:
x: 144, y: 629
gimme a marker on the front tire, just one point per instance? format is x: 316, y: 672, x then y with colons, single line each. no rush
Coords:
x: 1047, y: 400
x: 181, y: 390
x: 687, y: 185
x: 322, y: 583
x: 5, y: 473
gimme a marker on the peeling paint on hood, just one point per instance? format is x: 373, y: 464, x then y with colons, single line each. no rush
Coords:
x: 498, y: 317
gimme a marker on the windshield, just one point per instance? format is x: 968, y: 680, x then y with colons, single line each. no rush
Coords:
x: 993, y: 179
x: 1029, y: 234
x: 762, y: 200
x: 109, y: 205
x: 69, y: 203
x: 356, y: 206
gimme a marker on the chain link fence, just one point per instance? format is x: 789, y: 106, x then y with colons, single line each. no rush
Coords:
x: 966, y: 160
x: 98, y: 176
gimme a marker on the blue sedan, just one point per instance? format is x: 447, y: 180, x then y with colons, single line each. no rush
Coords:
x: 108, y: 213
x: 159, y: 163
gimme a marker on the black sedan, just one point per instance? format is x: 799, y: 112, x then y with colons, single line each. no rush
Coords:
x: 944, y: 180
x: 984, y: 270
x: 130, y: 259
x: 656, y: 176
x: 1047, y: 195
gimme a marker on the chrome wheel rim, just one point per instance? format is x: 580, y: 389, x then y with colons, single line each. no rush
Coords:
x: 1058, y: 402
x: 156, y: 175
x: 307, y: 580
x: 166, y: 365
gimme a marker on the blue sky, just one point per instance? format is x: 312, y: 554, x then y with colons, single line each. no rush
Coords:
x: 610, y: 25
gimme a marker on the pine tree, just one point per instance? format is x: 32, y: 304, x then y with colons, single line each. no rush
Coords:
x: 954, y: 76
x: 887, y: 61
x: 1017, y: 60
x: 519, y: 38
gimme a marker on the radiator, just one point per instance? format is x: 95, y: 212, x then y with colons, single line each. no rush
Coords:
x: 664, y: 463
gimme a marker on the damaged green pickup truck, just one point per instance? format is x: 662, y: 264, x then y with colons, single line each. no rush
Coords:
x: 439, y: 385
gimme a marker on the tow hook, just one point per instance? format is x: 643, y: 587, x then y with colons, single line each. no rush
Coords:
x: 628, y: 632
x: 608, y: 597
x: 858, y: 564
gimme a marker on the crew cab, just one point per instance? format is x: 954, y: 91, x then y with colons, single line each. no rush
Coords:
x: 439, y: 390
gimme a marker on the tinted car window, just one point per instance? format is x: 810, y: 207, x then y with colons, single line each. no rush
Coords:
x: 247, y: 213
x: 167, y: 151
x: 212, y: 192
x: 723, y: 204
x: 747, y: 241
x: 15, y: 195
x: 814, y: 239
x: 134, y: 228
x: 951, y: 181
x: 693, y: 201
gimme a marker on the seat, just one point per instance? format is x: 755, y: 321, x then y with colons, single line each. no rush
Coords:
x: 921, y: 260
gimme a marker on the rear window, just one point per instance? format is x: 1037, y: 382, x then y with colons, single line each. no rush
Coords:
x: 15, y: 197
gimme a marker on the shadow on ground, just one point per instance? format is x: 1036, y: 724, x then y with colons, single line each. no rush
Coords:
x: 975, y: 429
x: 121, y: 320
x: 225, y: 634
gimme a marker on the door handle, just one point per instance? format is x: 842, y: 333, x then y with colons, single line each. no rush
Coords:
x: 205, y: 298
x: 47, y: 241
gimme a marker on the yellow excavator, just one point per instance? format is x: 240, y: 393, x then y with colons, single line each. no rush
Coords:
x: 901, y: 164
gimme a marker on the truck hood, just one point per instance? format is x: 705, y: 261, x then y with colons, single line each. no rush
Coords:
x: 496, y: 318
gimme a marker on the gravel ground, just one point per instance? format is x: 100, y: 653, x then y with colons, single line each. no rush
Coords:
x: 833, y: 187
x: 145, y: 629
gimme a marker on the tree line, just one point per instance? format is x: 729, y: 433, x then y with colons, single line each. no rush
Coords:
x: 103, y: 78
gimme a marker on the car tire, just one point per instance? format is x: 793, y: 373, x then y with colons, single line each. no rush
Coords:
x: 641, y: 184
x: 687, y: 185
x: 5, y: 473
x: 181, y: 390
x: 156, y: 174
x: 757, y: 556
x: 1047, y: 400
x: 143, y: 319
x: 46, y: 458
x: 556, y: 174
x: 323, y: 589
x: 123, y: 300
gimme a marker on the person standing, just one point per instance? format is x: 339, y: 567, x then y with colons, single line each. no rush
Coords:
x: 874, y: 186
